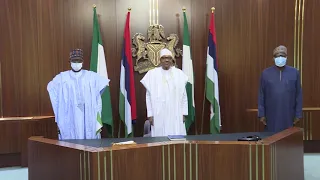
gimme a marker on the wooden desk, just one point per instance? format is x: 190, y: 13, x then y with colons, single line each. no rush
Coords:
x: 14, y: 134
x: 279, y: 156
x: 309, y: 123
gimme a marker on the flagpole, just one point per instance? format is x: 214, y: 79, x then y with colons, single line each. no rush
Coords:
x: 204, y: 99
x: 184, y: 9
x: 122, y: 97
x: 119, y: 127
x: 204, y: 91
x: 132, y: 124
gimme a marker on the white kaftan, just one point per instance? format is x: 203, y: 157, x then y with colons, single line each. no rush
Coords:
x: 166, y: 100
x: 76, y: 102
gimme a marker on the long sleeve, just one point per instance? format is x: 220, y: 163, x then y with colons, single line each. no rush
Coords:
x: 52, y: 88
x: 298, y: 98
x: 102, y: 82
x: 146, y: 83
x: 149, y: 105
x: 261, y: 98
x: 184, y: 103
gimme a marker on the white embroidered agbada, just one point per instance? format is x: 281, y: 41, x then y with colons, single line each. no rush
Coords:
x: 166, y: 100
x: 76, y: 101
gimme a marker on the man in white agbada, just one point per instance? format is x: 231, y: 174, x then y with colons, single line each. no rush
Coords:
x: 76, y: 100
x: 166, y: 97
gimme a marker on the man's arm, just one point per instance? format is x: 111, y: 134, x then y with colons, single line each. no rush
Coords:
x: 298, y: 113
x: 261, y: 101
x: 101, y: 81
x: 52, y: 89
x: 184, y: 104
x: 146, y: 83
x: 149, y: 107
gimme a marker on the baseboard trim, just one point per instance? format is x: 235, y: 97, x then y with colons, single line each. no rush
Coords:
x: 10, y: 160
x: 311, y: 146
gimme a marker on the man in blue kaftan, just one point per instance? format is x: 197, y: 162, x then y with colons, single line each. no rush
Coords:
x: 280, y: 94
x: 76, y: 100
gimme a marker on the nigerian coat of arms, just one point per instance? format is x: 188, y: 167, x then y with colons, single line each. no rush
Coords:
x: 147, y: 54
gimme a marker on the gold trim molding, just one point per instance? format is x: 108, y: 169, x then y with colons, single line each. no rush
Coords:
x: 306, y: 121
x: 298, y: 36
x: 303, y: 109
x: 307, y: 125
x: 1, y: 99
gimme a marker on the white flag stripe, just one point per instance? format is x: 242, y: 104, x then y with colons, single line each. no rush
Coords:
x: 102, y: 66
x: 127, y: 106
x: 213, y: 76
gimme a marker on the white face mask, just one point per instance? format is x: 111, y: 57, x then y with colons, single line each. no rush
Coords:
x: 76, y: 66
x: 280, y: 61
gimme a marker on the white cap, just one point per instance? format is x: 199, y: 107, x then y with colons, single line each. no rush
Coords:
x: 165, y: 52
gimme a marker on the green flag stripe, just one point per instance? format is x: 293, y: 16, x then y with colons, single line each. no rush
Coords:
x: 188, y: 69
x: 122, y: 110
x: 106, y: 108
x: 214, y: 121
x: 95, y: 41
x: 186, y: 36
x: 191, y: 109
x: 106, y: 113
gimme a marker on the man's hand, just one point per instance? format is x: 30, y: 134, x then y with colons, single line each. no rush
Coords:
x: 151, y: 120
x: 263, y: 120
x: 296, y: 120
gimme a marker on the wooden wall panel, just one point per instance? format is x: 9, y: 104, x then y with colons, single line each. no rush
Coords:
x: 9, y: 129
x: 36, y: 37
x: 14, y: 135
x: 310, y: 68
x: 311, y: 56
x: 247, y: 33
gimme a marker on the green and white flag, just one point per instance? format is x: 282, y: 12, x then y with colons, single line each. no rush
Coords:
x: 98, y: 65
x: 187, y: 68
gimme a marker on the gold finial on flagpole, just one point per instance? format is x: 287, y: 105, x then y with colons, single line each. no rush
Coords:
x: 184, y: 9
x: 212, y: 9
x: 94, y: 6
x: 129, y: 9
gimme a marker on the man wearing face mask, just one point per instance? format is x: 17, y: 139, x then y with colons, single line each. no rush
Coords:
x: 280, y: 94
x: 76, y: 100
x: 166, y: 97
